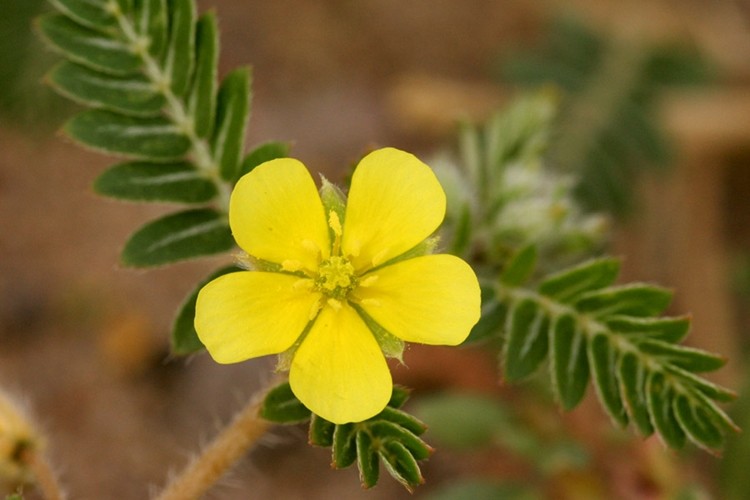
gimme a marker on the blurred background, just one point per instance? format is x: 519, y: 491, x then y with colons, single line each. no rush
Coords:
x: 86, y: 343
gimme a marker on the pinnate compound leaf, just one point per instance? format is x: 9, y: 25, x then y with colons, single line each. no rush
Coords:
x: 177, y: 182
x: 265, y: 152
x: 179, y: 236
x: 698, y: 424
x: 671, y: 330
x: 569, y: 364
x: 367, y: 460
x: 344, y: 445
x: 87, y: 47
x: 321, y: 431
x: 603, y: 360
x: 155, y: 139
x: 184, y: 337
x: 202, y: 98
x: 633, y: 300
x: 401, y: 464
x: 520, y: 267
x: 567, y: 285
x: 232, y: 112
x: 527, y: 339
x: 282, y: 407
x: 151, y: 21
x: 687, y: 358
x: 632, y: 376
x: 180, y: 54
x: 660, y: 397
x: 131, y: 95
x: 96, y: 15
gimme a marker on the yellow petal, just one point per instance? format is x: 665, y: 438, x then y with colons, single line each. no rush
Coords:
x: 339, y: 371
x: 276, y: 214
x: 433, y: 299
x: 395, y: 202
x: 248, y: 314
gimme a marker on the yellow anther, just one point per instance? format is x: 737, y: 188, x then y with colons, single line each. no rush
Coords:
x: 368, y: 281
x: 311, y: 246
x: 335, y: 304
x: 302, y: 285
x: 379, y: 257
x: 291, y: 265
x: 317, y: 306
x: 370, y: 302
x: 335, y: 223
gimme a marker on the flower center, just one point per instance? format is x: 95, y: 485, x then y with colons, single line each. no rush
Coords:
x: 336, y: 277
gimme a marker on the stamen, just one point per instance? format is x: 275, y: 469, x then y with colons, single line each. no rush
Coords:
x: 303, y: 285
x: 291, y: 265
x: 370, y: 302
x: 335, y: 223
x: 379, y: 257
x: 335, y: 304
x: 316, y: 307
x: 368, y: 281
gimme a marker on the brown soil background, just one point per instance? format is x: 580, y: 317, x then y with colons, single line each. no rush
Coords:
x: 85, y: 342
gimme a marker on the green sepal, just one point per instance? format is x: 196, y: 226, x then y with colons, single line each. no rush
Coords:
x: 401, y: 464
x: 520, y: 268
x: 671, y: 330
x: 94, y: 15
x: 392, y: 346
x: 367, y: 460
x: 232, y: 113
x: 179, y: 57
x: 527, y: 340
x: 90, y: 48
x: 603, y: 360
x: 202, y: 98
x: 569, y: 363
x: 697, y: 424
x: 155, y: 139
x: 267, y: 151
x: 399, y: 396
x: 632, y: 376
x: 131, y: 95
x: 567, y: 285
x: 687, y: 358
x: 321, y: 431
x: 179, y: 236
x: 633, y: 300
x: 659, y: 397
x: 177, y: 182
x: 344, y: 445
x: 281, y: 406
x: 184, y: 338
x: 403, y: 419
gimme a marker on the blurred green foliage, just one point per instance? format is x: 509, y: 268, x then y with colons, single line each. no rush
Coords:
x: 607, y: 129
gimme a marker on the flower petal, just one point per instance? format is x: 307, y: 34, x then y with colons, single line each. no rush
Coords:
x: 339, y: 371
x: 395, y: 202
x: 276, y: 214
x: 248, y: 314
x: 433, y: 299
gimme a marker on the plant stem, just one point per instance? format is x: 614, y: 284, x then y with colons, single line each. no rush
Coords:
x: 46, y: 479
x: 226, y: 448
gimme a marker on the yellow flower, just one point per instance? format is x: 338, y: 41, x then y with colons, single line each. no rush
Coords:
x: 334, y: 285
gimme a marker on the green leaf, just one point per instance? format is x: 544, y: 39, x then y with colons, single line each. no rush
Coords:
x: 184, y: 337
x: 671, y: 330
x: 632, y: 376
x: 527, y: 340
x: 177, y: 182
x: 603, y: 361
x: 688, y: 358
x: 282, y: 406
x: 569, y: 364
x: 403, y: 419
x: 132, y: 95
x: 697, y: 424
x: 202, y: 100
x: 93, y: 14
x: 232, y: 112
x: 265, y: 152
x: 491, y: 322
x: 399, y: 396
x: 520, y: 267
x: 148, y: 138
x: 388, y: 431
x: 401, y: 464
x: 707, y: 388
x: 344, y: 445
x: 150, y: 17
x: 659, y: 398
x: 88, y: 47
x: 180, y: 54
x: 635, y: 300
x: 569, y: 284
x: 367, y: 460
x: 321, y: 431
x: 179, y: 236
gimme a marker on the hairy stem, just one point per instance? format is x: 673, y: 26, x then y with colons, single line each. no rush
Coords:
x: 46, y: 479
x: 219, y: 456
